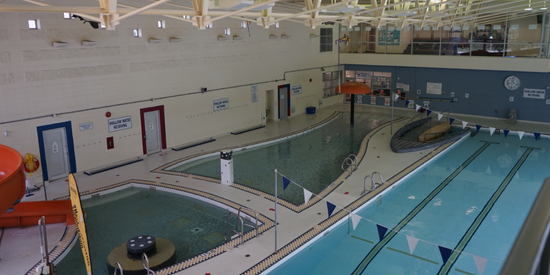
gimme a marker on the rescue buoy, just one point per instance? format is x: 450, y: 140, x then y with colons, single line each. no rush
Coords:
x: 30, y: 164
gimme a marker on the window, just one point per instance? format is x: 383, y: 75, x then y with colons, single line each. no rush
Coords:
x: 34, y: 24
x: 161, y: 24
x: 277, y: 24
x: 67, y: 15
x: 330, y: 82
x: 137, y: 32
x: 209, y: 26
x: 187, y: 16
x: 228, y: 31
x: 244, y: 24
x: 326, y: 40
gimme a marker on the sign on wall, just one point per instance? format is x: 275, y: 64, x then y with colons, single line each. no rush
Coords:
x: 359, y: 98
x: 296, y: 90
x: 387, y: 101
x: 390, y: 38
x: 434, y: 88
x: 121, y: 123
x: 221, y: 104
x: 86, y: 126
x: 534, y: 93
x: 254, y: 91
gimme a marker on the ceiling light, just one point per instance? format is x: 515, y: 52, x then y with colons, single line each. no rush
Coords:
x: 528, y: 9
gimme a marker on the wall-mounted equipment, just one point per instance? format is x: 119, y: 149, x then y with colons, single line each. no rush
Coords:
x: 154, y: 40
x: 110, y: 143
x: 203, y: 90
x: 285, y: 36
x: 88, y: 43
x: 175, y: 39
x: 313, y: 36
x: 60, y: 44
x: 238, y: 37
x: 272, y: 36
x: 222, y: 38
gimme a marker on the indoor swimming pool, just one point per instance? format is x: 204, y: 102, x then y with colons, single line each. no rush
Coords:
x: 468, y: 205
x: 313, y: 159
x: 192, y: 225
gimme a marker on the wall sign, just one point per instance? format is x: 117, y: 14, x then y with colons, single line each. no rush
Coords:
x: 534, y: 93
x: 359, y: 98
x: 254, y: 93
x: 373, y: 100
x: 86, y: 126
x: 387, y: 101
x: 121, y: 123
x: 221, y: 104
x: 434, y: 88
x: 296, y: 90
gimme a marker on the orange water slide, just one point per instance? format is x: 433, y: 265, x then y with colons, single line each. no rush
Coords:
x: 12, y: 189
x: 12, y: 178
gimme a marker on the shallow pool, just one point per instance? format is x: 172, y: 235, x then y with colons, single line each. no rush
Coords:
x: 472, y: 199
x: 313, y: 160
x: 193, y: 225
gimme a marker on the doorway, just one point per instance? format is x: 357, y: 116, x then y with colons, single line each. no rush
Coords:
x: 283, y: 101
x: 152, y: 129
x: 56, y: 150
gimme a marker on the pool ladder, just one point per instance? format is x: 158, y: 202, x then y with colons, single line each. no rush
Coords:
x: 119, y: 268
x: 241, y: 233
x: 373, y: 184
x: 145, y: 264
x: 351, y: 161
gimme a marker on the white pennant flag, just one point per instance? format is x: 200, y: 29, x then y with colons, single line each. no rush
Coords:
x: 417, y: 107
x: 396, y: 96
x: 439, y: 116
x: 520, y: 134
x: 488, y: 171
x: 480, y: 263
x: 492, y: 130
x: 412, y: 242
x: 464, y: 123
x: 355, y: 219
x: 307, y: 195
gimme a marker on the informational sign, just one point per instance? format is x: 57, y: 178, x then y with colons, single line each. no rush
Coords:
x: 220, y: 104
x: 387, y: 101
x: 373, y: 100
x: 434, y: 88
x: 121, y: 123
x: 406, y: 88
x: 78, y: 215
x: 363, y: 74
x: 534, y: 93
x: 426, y: 105
x: 359, y: 98
x: 296, y: 90
x: 411, y: 104
x: 390, y: 38
x: 399, y: 85
x: 254, y: 93
x: 86, y: 126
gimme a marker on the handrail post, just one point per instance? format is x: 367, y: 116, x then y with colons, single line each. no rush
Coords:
x: 145, y: 264
x: 365, y: 185
x: 118, y: 267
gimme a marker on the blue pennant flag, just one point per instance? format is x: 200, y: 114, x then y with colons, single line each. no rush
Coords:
x: 445, y: 253
x: 285, y: 182
x: 330, y: 208
x: 407, y: 102
x: 537, y: 136
x: 451, y: 120
x: 381, y: 231
x: 506, y: 133
x: 478, y: 127
x: 428, y: 112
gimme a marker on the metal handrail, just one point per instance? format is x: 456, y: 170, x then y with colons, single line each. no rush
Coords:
x: 530, y: 253
x: 350, y: 165
x: 373, y: 184
x: 256, y: 217
x: 45, y: 264
x: 145, y: 264
x: 354, y: 160
x: 118, y: 267
x: 241, y: 235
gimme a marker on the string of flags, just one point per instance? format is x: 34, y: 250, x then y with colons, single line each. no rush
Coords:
x: 445, y: 252
x: 478, y: 127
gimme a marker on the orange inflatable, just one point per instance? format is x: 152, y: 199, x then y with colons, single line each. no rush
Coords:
x: 356, y: 88
x: 12, y: 178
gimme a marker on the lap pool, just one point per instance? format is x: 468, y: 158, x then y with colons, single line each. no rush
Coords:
x: 458, y: 214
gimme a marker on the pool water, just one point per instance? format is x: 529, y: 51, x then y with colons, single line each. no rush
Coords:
x: 473, y: 198
x: 312, y: 160
x: 192, y: 225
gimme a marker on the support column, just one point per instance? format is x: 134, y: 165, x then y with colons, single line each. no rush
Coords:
x: 352, y: 109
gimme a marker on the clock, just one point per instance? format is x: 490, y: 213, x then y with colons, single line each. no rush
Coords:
x: 512, y: 82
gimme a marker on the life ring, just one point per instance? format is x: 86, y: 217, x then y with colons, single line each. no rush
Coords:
x: 30, y: 164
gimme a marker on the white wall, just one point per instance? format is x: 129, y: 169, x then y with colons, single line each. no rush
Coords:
x: 121, y: 74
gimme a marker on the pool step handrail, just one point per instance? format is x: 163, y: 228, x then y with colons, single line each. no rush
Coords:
x: 354, y: 158
x: 350, y: 164
x: 240, y: 234
x: 373, y: 184
x: 45, y: 267
x: 255, y: 226
x: 118, y: 267
x: 145, y: 264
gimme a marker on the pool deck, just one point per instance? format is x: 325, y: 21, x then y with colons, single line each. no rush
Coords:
x: 292, y: 225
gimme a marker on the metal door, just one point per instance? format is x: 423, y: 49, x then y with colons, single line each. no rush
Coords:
x: 283, y: 102
x: 152, y: 132
x: 56, y: 152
